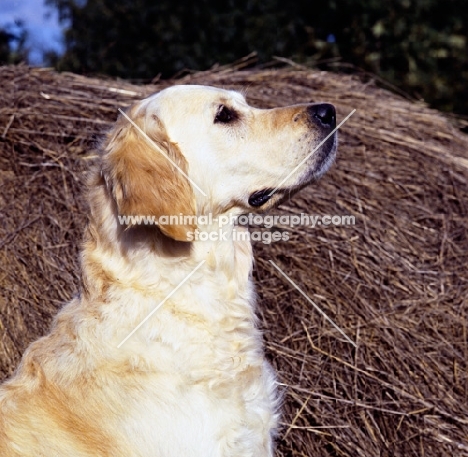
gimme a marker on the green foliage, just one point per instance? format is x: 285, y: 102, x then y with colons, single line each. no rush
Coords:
x: 420, y: 46
x: 12, y: 44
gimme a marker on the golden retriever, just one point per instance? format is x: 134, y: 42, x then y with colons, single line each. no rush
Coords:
x: 159, y: 355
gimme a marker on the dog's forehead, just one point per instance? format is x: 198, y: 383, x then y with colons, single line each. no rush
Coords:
x: 193, y: 96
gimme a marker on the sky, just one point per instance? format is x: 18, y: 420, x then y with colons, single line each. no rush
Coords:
x: 41, y: 23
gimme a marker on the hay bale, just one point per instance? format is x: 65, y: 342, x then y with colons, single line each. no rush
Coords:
x: 395, y: 282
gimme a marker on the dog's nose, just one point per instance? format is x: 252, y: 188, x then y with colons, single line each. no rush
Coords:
x: 322, y: 114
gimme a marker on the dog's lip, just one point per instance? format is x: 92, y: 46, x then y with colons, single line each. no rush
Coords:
x: 326, y: 157
x: 260, y: 197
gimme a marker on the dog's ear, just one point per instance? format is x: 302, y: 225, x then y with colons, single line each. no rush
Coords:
x: 142, y: 179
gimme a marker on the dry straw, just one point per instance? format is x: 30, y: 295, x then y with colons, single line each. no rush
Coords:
x: 396, y: 282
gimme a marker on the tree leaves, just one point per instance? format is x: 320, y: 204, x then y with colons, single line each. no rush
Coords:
x: 419, y: 46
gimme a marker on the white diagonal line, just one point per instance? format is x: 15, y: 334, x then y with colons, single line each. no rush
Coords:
x: 160, y: 304
x: 155, y: 146
x: 312, y: 303
x: 302, y: 163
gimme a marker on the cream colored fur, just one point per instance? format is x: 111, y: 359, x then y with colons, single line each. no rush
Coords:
x: 193, y: 380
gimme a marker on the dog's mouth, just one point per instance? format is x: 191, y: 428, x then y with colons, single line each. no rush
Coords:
x: 322, y: 161
x: 273, y: 197
x: 260, y: 197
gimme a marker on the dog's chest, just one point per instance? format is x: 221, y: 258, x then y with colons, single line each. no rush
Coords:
x: 225, y: 413
x: 200, y: 421
x: 210, y: 390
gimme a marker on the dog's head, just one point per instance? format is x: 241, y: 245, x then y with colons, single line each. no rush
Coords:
x: 194, y: 150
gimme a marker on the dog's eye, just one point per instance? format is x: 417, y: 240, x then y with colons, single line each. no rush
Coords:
x: 225, y: 115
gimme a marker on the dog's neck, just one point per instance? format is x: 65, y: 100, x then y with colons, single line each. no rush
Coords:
x: 140, y: 257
